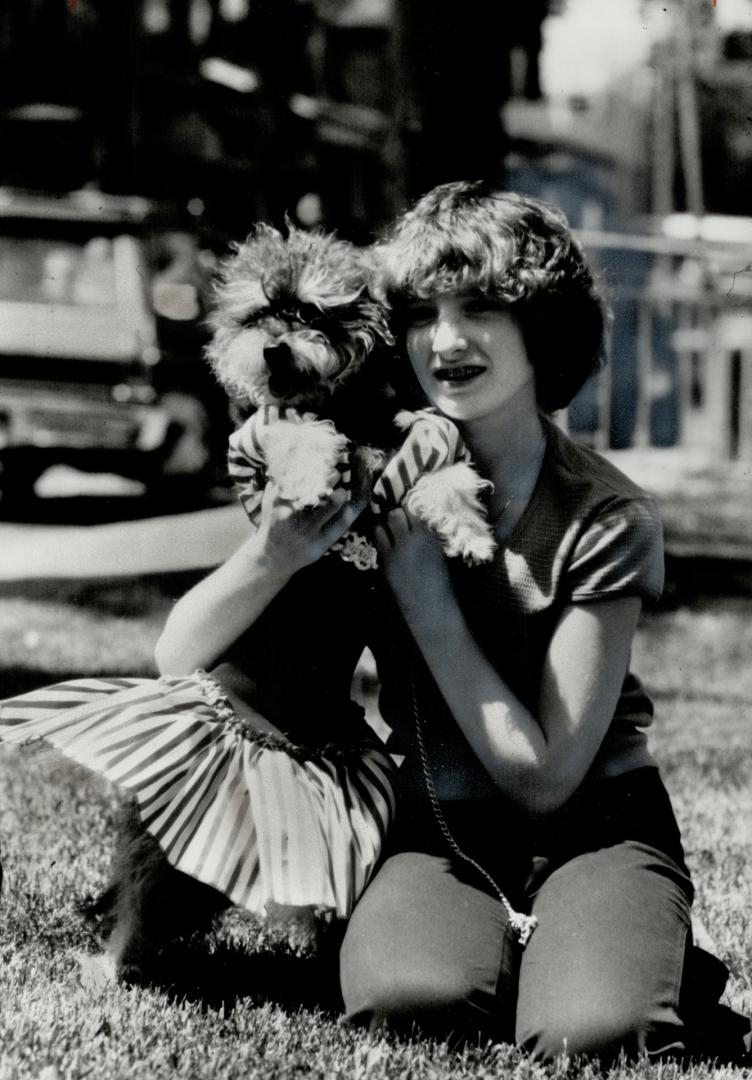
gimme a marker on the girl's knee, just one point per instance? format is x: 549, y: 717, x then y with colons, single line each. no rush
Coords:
x: 435, y: 998
x: 602, y: 1032
x: 423, y: 949
x: 432, y: 1000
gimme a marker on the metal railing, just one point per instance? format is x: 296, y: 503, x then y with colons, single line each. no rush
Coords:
x: 680, y: 342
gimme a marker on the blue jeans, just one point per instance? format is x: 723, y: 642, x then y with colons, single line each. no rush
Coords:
x: 429, y: 945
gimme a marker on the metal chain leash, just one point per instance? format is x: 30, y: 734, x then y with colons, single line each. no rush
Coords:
x: 523, y: 925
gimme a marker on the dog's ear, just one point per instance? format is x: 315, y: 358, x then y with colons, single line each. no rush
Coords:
x: 278, y: 285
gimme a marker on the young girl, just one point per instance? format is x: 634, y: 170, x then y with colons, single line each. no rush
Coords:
x: 527, y: 774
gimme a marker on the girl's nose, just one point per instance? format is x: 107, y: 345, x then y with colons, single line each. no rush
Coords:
x: 447, y: 339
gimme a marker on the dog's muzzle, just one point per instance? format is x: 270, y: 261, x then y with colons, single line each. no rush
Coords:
x: 285, y: 378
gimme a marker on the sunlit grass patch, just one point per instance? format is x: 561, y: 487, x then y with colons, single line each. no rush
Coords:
x: 57, y: 824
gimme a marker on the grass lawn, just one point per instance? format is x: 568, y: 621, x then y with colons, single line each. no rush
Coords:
x: 56, y: 830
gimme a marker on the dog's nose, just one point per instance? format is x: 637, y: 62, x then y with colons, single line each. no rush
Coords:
x: 278, y: 356
x: 283, y: 376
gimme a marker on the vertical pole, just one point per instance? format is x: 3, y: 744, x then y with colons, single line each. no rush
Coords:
x: 682, y: 318
x: 664, y: 155
x: 395, y: 151
x: 689, y: 123
x: 644, y: 370
x: 745, y: 407
x: 602, y: 438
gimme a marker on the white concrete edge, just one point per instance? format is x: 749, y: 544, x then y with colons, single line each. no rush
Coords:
x: 196, y: 540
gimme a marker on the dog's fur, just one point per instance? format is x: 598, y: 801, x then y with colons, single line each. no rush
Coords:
x: 295, y: 324
x: 148, y: 906
x: 152, y: 922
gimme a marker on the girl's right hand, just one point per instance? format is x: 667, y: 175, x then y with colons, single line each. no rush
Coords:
x: 290, y: 539
x: 215, y: 612
x: 414, y: 564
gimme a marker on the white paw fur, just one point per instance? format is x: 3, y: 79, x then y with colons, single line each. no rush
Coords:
x: 303, y: 458
x: 448, y: 502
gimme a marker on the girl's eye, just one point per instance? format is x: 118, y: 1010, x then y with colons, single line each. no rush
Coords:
x: 419, y: 315
x: 481, y: 305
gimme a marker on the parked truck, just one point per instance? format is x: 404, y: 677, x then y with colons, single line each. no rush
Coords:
x: 101, y: 339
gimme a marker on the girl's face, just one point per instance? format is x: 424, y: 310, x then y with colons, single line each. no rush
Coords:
x: 468, y: 355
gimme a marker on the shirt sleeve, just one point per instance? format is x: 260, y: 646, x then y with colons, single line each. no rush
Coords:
x: 619, y: 552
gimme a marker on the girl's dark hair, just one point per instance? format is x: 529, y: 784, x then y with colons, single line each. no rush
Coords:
x: 465, y: 237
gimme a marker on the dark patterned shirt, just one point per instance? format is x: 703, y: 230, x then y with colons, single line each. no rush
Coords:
x: 588, y: 533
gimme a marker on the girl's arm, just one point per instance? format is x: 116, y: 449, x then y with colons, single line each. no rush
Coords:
x: 538, y: 761
x: 213, y: 614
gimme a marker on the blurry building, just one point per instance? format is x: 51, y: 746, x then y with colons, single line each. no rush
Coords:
x: 240, y: 109
x: 341, y: 111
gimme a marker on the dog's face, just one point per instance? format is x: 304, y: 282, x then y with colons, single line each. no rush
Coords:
x: 293, y: 318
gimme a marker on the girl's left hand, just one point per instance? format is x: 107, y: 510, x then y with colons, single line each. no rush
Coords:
x: 413, y: 562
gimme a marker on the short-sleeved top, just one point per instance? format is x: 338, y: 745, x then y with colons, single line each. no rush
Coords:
x: 588, y: 533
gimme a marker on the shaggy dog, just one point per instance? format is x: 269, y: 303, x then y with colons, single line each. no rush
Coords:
x: 147, y: 908
x: 303, y: 349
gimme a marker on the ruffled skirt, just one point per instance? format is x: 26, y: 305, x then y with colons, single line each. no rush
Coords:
x: 247, y: 812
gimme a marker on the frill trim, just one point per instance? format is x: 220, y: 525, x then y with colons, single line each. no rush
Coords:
x: 356, y: 549
x: 215, y: 697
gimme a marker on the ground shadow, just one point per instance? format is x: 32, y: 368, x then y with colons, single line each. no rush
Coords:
x: 227, y: 975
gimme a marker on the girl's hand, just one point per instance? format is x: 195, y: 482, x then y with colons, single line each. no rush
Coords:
x: 413, y: 562
x: 215, y: 612
x: 290, y: 539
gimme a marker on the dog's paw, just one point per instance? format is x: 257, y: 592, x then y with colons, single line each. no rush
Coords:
x: 299, y: 928
x: 366, y: 465
x: 448, y: 502
x: 405, y: 419
x: 305, y: 460
x: 96, y: 971
x: 471, y: 543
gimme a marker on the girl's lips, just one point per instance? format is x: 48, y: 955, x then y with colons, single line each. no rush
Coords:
x: 458, y: 373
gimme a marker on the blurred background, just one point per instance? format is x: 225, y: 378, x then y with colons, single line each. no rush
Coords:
x: 140, y: 137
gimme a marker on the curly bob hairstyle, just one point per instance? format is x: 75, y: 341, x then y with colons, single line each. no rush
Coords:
x: 465, y: 237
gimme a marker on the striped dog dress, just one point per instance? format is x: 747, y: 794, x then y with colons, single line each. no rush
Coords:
x: 431, y: 443
x: 246, y: 811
